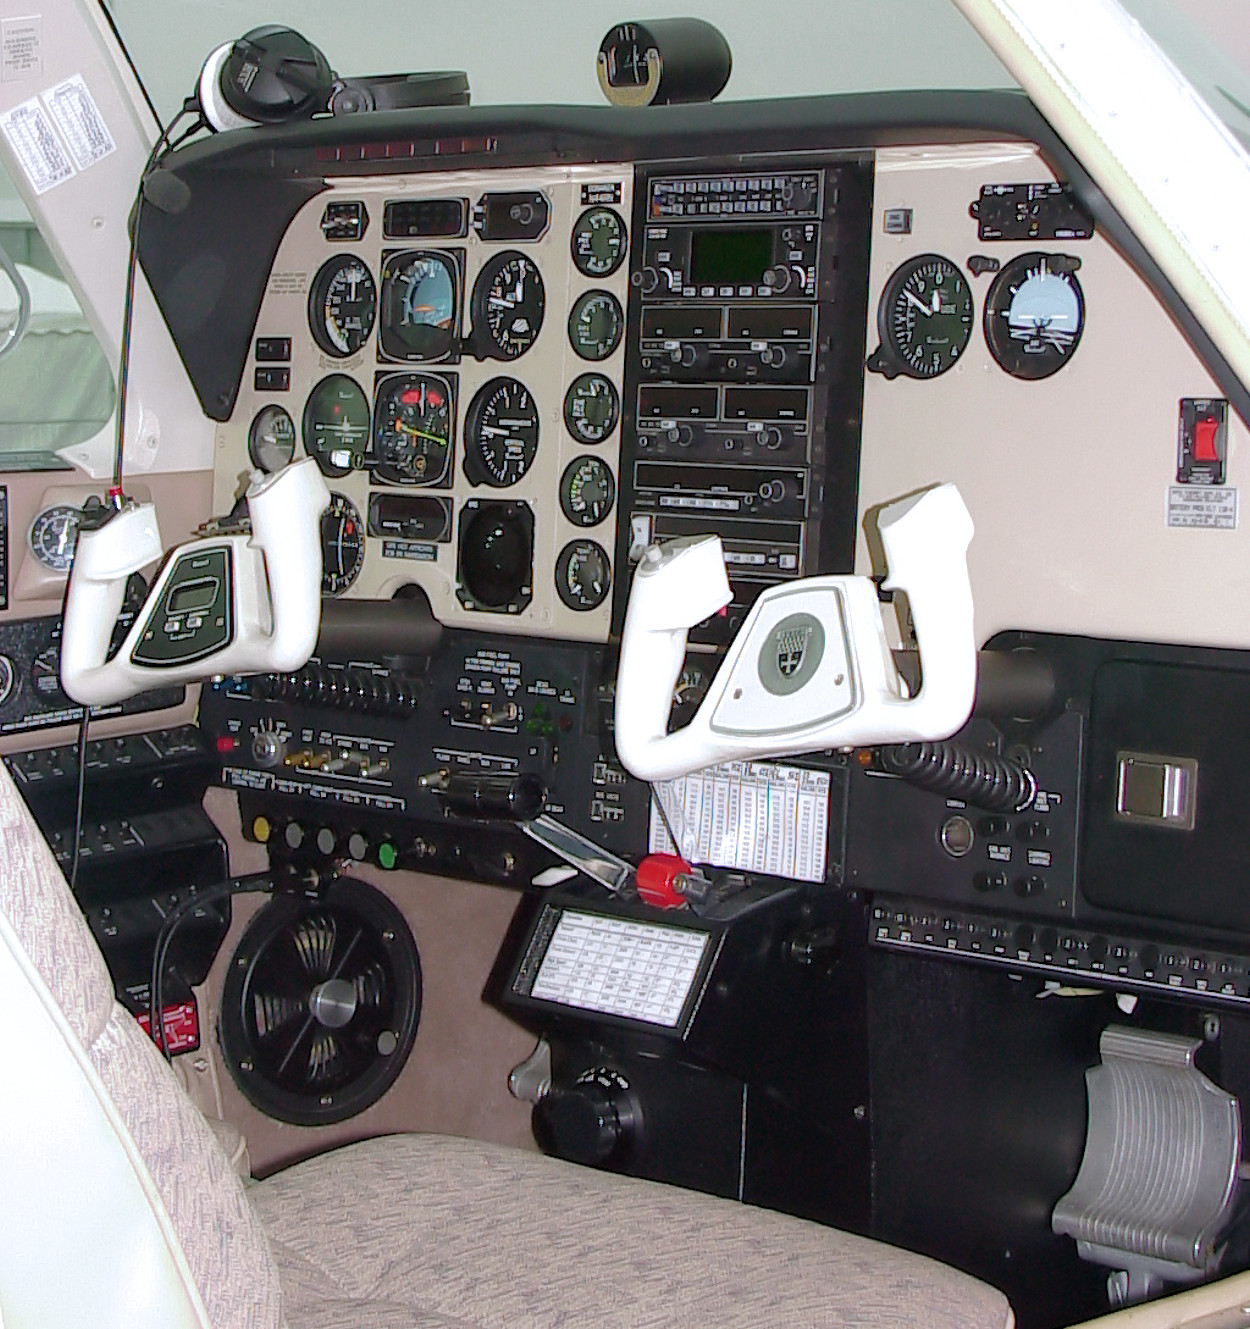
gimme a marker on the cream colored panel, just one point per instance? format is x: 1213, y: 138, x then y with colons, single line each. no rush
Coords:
x: 1067, y: 477
x: 546, y: 369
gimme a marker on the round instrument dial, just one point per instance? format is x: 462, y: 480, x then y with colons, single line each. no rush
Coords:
x: 587, y: 491
x: 7, y: 678
x: 598, y: 242
x: 412, y: 429
x: 500, y: 433
x: 583, y: 575
x: 925, y: 316
x: 1034, y: 315
x: 509, y: 300
x: 336, y: 425
x: 596, y: 325
x: 591, y: 408
x: 342, y: 545
x: 420, y: 298
x: 271, y: 439
x: 53, y: 535
x: 342, y: 305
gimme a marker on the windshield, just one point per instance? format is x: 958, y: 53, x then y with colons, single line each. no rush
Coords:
x: 545, y: 52
x: 1209, y: 42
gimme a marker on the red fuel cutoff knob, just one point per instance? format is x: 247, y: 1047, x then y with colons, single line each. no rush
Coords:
x: 658, y: 879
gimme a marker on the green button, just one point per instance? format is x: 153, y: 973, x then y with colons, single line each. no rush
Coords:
x: 387, y: 855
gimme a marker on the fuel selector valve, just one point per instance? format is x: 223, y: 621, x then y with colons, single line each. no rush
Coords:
x: 811, y: 668
x: 235, y: 602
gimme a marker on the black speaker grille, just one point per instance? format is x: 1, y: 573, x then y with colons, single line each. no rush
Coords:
x: 321, y: 1004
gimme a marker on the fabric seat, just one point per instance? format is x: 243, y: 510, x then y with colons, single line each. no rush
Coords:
x: 120, y: 1207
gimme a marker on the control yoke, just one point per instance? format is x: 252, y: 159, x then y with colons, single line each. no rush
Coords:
x: 229, y: 603
x: 811, y: 668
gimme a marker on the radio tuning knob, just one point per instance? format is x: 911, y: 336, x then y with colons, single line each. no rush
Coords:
x: 648, y: 279
x: 772, y: 438
x: 685, y: 436
x: 778, y: 277
x: 687, y: 354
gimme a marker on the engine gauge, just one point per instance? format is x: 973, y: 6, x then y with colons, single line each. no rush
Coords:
x: 509, y: 300
x: 420, y: 301
x: 924, y: 318
x: 598, y: 242
x: 1035, y: 314
x: 53, y: 535
x: 342, y: 305
x: 583, y: 575
x: 336, y: 425
x: 271, y: 439
x: 342, y: 545
x: 587, y: 491
x: 591, y: 408
x: 500, y: 433
x: 412, y: 419
x: 596, y: 325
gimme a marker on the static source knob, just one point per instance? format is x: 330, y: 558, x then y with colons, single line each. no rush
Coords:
x: 593, y: 1122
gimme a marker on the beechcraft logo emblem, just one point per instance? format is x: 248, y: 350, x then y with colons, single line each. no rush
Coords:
x: 791, y: 648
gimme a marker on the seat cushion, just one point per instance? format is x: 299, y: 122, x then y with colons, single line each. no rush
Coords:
x: 434, y: 1231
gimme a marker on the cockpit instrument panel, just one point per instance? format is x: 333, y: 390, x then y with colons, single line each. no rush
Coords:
x: 456, y: 369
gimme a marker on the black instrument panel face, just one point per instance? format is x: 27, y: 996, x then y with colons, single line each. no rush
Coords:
x: 459, y: 336
x: 744, y: 369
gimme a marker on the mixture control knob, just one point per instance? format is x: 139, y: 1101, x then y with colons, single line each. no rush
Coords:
x: 595, y: 1121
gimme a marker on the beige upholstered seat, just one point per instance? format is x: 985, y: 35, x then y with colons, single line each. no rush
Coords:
x: 119, y: 1208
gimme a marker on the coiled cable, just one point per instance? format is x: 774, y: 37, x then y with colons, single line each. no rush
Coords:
x: 997, y: 784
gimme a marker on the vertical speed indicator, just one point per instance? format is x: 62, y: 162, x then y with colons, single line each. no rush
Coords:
x: 924, y: 319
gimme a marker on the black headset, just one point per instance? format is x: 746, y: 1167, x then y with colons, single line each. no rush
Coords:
x: 268, y: 75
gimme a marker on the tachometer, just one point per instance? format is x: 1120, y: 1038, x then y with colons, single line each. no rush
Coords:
x: 598, y: 242
x: 342, y: 305
x: 53, y: 535
x: 500, y: 433
x: 412, y: 420
x: 420, y: 300
x: 587, y: 491
x: 336, y: 425
x: 924, y: 318
x: 509, y: 300
x: 596, y: 325
x: 591, y: 408
x: 1035, y: 314
x: 342, y: 545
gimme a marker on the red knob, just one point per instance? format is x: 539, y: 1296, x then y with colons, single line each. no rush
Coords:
x: 657, y: 880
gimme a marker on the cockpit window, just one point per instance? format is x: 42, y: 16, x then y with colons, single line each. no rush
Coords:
x: 545, y: 53
x: 56, y: 387
x: 1209, y: 42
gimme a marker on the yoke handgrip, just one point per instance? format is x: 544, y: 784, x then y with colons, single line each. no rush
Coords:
x: 811, y: 668
x: 220, y: 604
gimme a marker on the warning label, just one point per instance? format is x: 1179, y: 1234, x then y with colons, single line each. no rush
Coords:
x: 1206, y: 506
x: 28, y: 128
x: 79, y: 120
